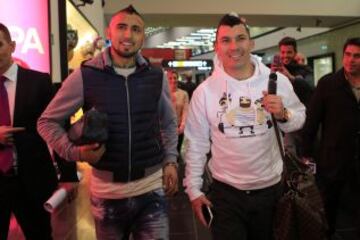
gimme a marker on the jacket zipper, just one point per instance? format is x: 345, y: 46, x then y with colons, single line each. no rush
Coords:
x: 129, y: 125
x: 129, y: 121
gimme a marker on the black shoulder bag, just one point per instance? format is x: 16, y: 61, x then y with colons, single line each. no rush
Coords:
x: 90, y: 128
x: 300, y: 213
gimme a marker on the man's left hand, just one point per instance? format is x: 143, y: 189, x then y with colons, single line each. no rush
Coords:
x: 170, y: 179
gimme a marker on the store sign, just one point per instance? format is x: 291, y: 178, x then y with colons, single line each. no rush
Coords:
x: 200, y: 64
x: 180, y: 54
x: 28, y: 23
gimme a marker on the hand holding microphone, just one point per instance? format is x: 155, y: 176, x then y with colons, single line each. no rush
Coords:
x: 272, y: 102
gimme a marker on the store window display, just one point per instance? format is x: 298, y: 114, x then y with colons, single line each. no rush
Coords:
x: 72, y: 40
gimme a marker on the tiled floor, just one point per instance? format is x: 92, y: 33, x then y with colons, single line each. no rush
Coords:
x: 183, y: 225
x: 74, y: 220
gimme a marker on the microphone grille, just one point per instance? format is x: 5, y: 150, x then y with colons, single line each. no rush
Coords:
x: 273, y: 76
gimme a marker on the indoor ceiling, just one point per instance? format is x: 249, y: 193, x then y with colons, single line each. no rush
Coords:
x: 201, y: 40
x: 260, y: 13
x: 211, y: 20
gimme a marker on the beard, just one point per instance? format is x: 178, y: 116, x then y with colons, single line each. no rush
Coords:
x: 125, y: 54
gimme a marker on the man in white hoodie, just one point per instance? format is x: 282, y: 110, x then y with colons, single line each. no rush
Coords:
x: 230, y: 114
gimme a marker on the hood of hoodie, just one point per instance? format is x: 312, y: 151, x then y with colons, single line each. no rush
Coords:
x: 103, y: 60
x: 251, y: 87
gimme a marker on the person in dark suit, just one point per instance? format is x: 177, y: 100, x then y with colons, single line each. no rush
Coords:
x: 335, y: 107
x: 27, y: 174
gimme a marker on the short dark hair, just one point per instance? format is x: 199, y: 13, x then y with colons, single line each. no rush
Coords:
x: 6, y: 32
x: 288, y: 41
x: 128, y: 10
x: 232, y: 20
x: 352, y: 41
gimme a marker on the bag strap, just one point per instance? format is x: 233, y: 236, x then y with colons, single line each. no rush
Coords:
x: 287, y: 179
x: 284, y: 177
x: 278, y: 138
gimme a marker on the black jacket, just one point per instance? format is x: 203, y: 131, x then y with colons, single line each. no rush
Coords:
x: 335, y: 108
x: 302, y: 72
x: 35, y: 168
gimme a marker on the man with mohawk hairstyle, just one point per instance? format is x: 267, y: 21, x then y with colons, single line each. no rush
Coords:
x: 136, y: 166
x: 230, y: 115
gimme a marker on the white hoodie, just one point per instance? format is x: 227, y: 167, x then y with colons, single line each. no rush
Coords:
x: 227, y: 115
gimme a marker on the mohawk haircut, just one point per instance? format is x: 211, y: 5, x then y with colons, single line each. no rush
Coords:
x: 231, y: 19
x: 128, y: 10
x: 352, y: 41
x: 288, y: 41
x: 6, y: 32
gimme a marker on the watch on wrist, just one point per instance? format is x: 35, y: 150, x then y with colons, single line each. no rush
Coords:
x: 286, y: 116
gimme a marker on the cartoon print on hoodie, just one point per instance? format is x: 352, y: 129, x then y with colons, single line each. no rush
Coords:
x: 246, y: 119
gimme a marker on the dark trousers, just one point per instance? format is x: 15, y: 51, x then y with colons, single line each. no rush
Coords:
x: 245, y: 215
x: 180, y: 141
x: 34, y: 221
x: 341, y: 198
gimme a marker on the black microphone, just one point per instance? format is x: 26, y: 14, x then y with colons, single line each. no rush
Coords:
x: 272, y: 85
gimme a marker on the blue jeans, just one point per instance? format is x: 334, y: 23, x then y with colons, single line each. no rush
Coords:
x: 144, y: 216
